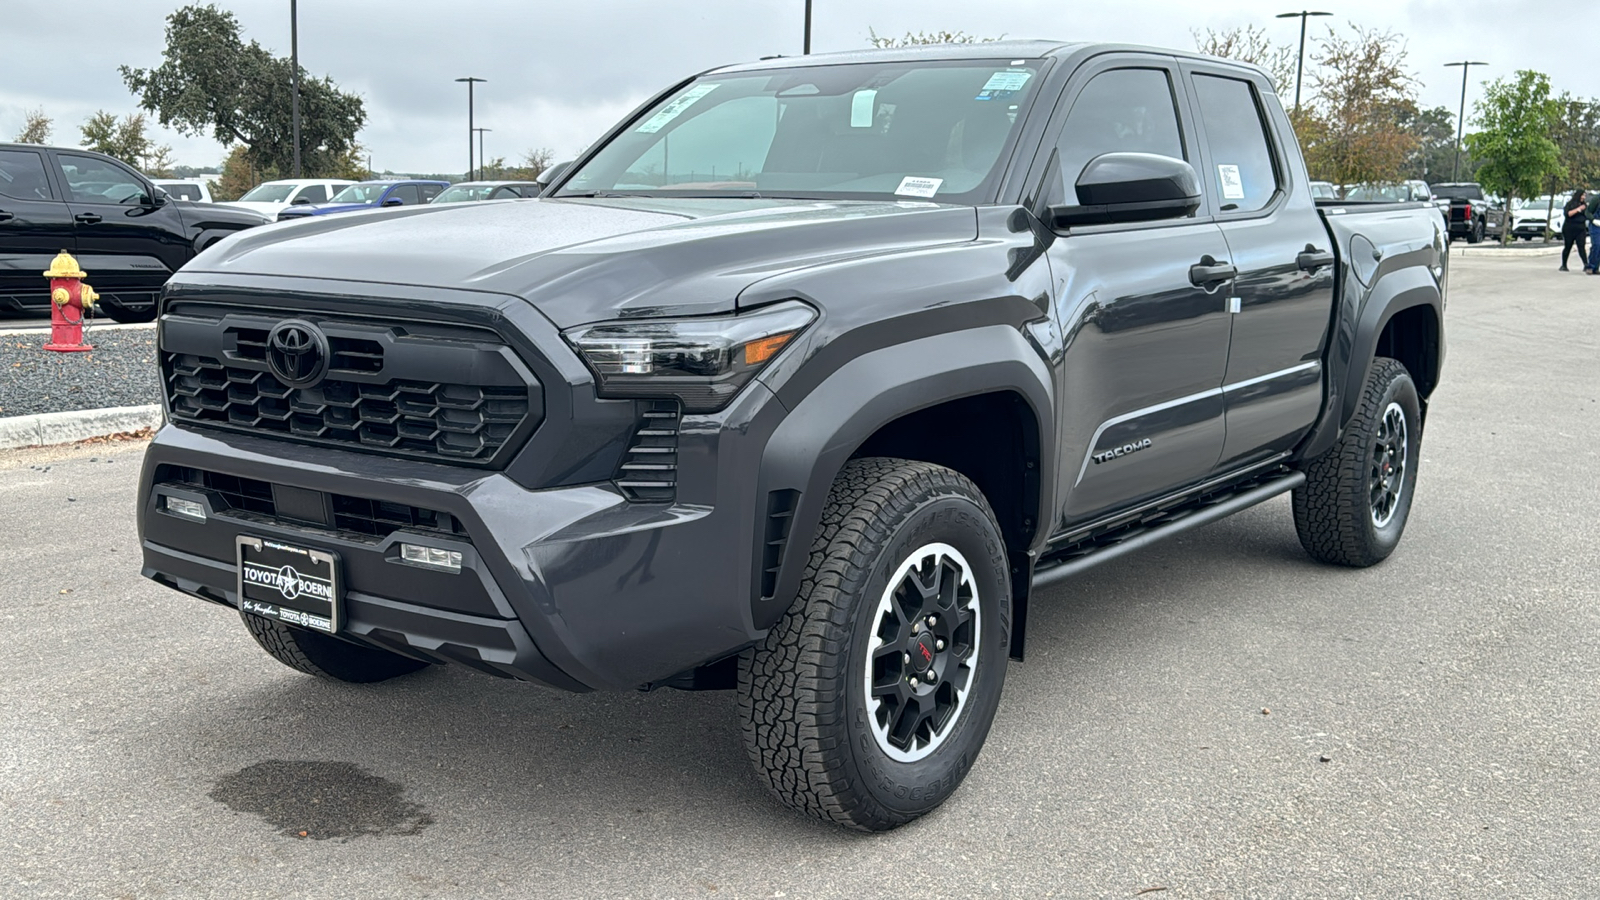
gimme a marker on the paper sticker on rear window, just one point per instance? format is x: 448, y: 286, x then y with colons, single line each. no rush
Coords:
x: 913, y: 186
x: 675, y: 109
x: 1232, y: 184
x: 1003, y: 84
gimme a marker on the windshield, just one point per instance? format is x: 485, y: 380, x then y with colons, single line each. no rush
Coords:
x: 1458, y: 191
x: 919, y: 131
x: 361, y: 193
x: 268, y: 193
x: 1539, y: 203
x: 462, y: 192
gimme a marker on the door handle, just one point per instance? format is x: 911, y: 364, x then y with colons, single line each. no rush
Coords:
x: 1209, y: 272
x: 86, y: 218
x: 1312, y: 259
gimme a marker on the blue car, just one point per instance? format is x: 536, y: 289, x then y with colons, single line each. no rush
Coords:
x: 369, y: 195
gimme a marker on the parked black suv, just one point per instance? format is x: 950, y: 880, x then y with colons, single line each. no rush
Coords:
x: 810, y: 408
x: 125, y: 232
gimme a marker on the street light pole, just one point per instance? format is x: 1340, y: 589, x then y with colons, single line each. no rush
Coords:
x: 481, y: 157
x: 1461, y: 118
x: 294, y: 63
x: 470, y: 82
x: 1300, y: 66
x: 807, y: 48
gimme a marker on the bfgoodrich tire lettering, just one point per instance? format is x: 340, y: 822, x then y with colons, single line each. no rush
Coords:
x: 804, y: 699
x: 324, y: 656
x: 1353, y: 507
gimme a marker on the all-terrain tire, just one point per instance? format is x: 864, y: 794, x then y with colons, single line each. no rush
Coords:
x: 324, y: 656
x: 819, y: 737
x: 124, y: 316
x: 1352, y: 510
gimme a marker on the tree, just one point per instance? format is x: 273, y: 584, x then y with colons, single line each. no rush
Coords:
x: 1577, y: 136
x: 1361, y: 93
x: 1251, y: 45
x: 1435, y: 132
x: 36, y: 127
x: 1517, y: 118
x: 211, y: 81
x: 237, y: 177
x: 913, y: 38
x: 126, y: 140
x: 534, y: 162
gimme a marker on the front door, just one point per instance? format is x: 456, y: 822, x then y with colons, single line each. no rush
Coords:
x: 34, y: 226
x: 1142, y: 309
x: 1273, y: 389
x: 126, y: 244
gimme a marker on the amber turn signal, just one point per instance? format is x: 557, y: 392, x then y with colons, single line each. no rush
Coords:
x: 758, y: 352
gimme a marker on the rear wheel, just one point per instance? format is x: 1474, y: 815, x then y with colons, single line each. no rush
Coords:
x: 868, y: 702
x: 1476, y: 233
x: 324, y: 656
x: 125, y: 316
x: 1354, y: 505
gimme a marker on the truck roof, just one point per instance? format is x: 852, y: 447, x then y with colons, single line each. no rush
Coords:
x: 1016, y: 49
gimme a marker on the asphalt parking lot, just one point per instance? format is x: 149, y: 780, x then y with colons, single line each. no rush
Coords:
x: 1215, y: 718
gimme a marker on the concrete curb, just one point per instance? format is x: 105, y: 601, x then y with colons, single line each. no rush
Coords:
x: 43, y: 328
x: 1507, y: 252
x: 65, y: 427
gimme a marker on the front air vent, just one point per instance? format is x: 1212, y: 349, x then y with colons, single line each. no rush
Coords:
x: 649, y: 470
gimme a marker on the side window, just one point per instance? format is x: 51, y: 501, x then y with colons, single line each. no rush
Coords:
x: 91, y: 180
x: 22, y: 175
x: 313, y: 193
x: 1243, y: 173
x: 408, y: 194
x: 1123, y: 110
x: 430, y: 191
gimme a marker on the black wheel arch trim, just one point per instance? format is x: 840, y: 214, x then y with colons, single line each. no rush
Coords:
x: 823, y: 430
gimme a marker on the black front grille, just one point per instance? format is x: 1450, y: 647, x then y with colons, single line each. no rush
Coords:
x: 376, y: 518
x: 437, y: 391
x: 453, y: 421
x: 649, y: 470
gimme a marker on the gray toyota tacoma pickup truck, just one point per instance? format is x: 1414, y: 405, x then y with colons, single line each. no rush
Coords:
x: 802, y: 381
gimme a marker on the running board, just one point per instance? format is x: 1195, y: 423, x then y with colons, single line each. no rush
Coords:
x: 1201, y: 515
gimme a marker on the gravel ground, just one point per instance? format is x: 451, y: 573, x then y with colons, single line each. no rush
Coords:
x: 120, y: 371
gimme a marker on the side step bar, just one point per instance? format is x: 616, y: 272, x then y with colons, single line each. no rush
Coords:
x: 1202, y: 515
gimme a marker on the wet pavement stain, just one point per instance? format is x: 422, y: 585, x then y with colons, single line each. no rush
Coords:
x: 321, y: 800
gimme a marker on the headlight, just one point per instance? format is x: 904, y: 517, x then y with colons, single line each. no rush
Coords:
x: 702, y: 362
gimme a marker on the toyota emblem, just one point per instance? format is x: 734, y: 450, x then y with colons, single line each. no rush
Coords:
x: 297, y: 352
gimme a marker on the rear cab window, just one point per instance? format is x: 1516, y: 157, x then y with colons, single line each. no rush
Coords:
x: 22, y: 176
x: 1243, y: 170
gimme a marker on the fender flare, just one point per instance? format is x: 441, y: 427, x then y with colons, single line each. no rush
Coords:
x: 820, y: 433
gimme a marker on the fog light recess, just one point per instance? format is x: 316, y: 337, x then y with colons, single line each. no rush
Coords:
x: 189, y: 509
x: 431, y: 557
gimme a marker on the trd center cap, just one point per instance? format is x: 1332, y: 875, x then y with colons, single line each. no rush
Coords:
x: 922, y: 653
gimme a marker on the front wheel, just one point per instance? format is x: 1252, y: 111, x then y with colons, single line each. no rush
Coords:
x: 868, y: 702
x: 1353, y: 507
x: 326, y: 657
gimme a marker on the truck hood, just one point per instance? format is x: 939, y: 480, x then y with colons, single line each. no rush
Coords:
x: 586, y: 260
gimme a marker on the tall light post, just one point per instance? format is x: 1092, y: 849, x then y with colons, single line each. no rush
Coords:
x: 470, y: 82
x: 806, y: 49
x: 1461, y: 118
x: 294, y: 63
x: 481, y: 157
x: 1300, y: 66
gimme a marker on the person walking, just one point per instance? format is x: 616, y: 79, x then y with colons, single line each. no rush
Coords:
x: 1574, y: 227
x: 1592, y: 211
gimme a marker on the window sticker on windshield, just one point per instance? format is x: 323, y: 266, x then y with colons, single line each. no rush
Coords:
x: 1232, y: 184
x: 862, y: 105
x: 1003, y: 84
x: 675, y: 109
x: 913, y: 186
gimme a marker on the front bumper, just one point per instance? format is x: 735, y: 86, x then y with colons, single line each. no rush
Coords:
x: 575, y: 587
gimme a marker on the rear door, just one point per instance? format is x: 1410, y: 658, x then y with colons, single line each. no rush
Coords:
x: 1146, y: 343
x: 126, y: 245
x: 35, y: 225
x: 1282, y: 300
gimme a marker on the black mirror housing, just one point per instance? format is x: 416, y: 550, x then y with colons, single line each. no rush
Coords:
x: 394, y: 201
x: 1131, y: 187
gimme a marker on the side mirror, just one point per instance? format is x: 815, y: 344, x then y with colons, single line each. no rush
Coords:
x: 156, y: 198
x: 394, y: 201
x: 1131, y: 187
x: 300, y: 201
x: 551, y: 174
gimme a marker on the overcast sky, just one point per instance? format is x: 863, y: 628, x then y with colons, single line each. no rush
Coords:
x: 560, y: 72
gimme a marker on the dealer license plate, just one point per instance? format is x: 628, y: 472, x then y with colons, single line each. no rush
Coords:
x: 296, y: 585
